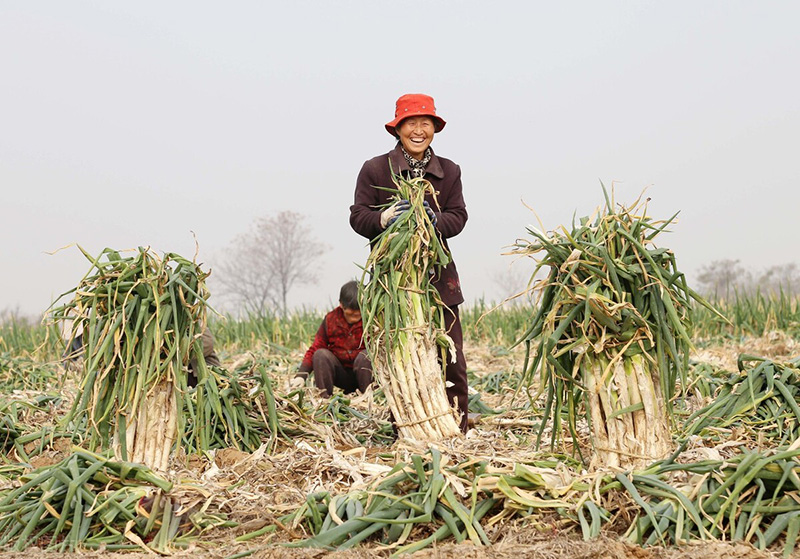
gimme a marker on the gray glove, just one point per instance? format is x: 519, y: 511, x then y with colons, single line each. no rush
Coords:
x: 429, y: 211
x: 390, y: 214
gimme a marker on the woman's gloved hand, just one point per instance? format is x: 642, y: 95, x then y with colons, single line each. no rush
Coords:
x: 390, y: 214
x: 429, y: 211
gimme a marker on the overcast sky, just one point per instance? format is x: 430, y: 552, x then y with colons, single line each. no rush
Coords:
x: 141, y: 123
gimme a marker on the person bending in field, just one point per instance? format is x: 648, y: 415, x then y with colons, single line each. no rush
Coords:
x: 337, y: 357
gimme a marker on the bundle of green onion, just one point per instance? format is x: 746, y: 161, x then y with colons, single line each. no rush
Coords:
x: 141, y: 319
x: 23, y: 434
x: 610, y: 331
x: 403, y: 319
x: 751, y: 497
x: 763, y: 398
x: 25, y: 373
x: 412, y: 494
x: 85, y: 500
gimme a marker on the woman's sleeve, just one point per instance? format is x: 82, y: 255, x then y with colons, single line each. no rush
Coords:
x: 453, y: 217
x: 365, y: 217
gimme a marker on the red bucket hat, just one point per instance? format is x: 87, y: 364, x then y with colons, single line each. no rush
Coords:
x: 414, y: 104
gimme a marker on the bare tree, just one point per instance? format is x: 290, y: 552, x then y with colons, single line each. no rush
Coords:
x: 512, y: 283
x: 782, y: 276
x: 262, y: 265
x: 721, y: 277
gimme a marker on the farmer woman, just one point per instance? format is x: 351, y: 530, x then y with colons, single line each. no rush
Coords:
x: 414, y: 125
x: 337, y: 355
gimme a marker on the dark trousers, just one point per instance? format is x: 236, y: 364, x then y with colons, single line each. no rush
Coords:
x: 329, y: 372
x: 457, y: 372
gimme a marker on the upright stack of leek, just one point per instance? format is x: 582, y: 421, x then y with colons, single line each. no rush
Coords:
x: 140, y: 317
x: 610, y: 331
x: 403, y: 319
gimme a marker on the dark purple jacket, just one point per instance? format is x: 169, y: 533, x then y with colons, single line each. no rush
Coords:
x: 451, y: 214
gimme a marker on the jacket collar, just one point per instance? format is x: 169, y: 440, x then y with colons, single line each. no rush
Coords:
x: 399, y: 163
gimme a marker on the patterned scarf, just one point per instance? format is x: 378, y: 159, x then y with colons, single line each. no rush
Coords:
x: 417, y: 167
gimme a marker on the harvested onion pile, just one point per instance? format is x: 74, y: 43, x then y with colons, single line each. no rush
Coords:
x: 610, y: 335
x: 140, y: 318
x: 403, y: 319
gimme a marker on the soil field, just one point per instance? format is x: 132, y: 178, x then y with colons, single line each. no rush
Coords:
x: 254, y: 489
x: 553, y: 548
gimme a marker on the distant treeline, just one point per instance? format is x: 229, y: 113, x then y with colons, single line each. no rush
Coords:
x: 726, y: 278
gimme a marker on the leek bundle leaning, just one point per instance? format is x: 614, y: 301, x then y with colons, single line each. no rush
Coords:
x: 403, y: 319
x: 140, y: 318
x: 611, y: 330
x: 761, y: 399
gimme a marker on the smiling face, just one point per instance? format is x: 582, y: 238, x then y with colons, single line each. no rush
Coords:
x: 416, y: 134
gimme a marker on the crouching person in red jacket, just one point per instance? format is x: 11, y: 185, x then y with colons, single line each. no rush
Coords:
x: 338, y: 356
